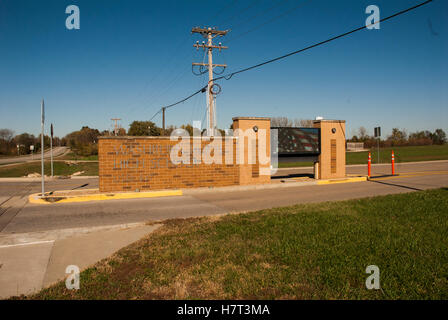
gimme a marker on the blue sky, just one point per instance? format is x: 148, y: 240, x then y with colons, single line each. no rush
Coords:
x: 131, y: 57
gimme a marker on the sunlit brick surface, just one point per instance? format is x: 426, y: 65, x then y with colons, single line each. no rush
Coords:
x: 143, y: 163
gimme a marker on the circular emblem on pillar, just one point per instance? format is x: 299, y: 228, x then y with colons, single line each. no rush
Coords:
x: 333, y: 130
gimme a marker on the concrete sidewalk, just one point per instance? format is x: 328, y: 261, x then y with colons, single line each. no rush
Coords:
x: 30, y: 262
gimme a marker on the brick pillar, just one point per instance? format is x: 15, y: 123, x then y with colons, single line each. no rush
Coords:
x: 332, y: 156
x: 249, y: 130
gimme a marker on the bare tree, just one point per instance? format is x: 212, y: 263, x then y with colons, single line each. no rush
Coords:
x: 281, y: 122
x: 304, y: 123
x: 362, y: 133
x: 6, y: 134
x: 286, y: 122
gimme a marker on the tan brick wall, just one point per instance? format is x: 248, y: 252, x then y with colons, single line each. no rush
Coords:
x: 143, y: 163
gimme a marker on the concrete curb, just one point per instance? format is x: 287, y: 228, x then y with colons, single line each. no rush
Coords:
x: 286, y: 184
x: 249, y: 187
x: 345, y: 180
x: 83, y: 177
x: 47, y: 179
x: 36, y: 199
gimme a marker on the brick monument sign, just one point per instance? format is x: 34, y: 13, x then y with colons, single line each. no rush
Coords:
x: 177, y: 162
x: 155, y: 163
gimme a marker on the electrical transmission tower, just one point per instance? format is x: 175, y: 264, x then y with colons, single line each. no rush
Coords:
x: 212, y: 89
x: 116, y: 125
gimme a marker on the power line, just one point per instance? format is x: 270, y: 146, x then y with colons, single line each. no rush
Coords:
x: 219, y: 12
x: 178, y: 102
x: 253, y: 3
x: 227, y: 6
x: 288, y: 11
x: 230, y: 75
x: 262, y: 13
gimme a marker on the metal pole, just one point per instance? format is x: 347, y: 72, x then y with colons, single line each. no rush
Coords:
x: 51, y: 154
x: 393, y: 163
x: 378, y: 149
x: 369, y: 163
x: 42, y: 146
x: 51, y: 148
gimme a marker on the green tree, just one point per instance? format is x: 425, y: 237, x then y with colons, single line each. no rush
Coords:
x: 439, y: 137
x: 144, y: 128
x: 25, y: 140
x: 398, y: 137
x: 83, y: 142
x: 188, y: 128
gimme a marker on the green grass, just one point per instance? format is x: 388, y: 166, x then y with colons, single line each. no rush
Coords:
x: 74, y: 156
x: 313, y: 251
x: 60, y: 169
x: 402, y: 154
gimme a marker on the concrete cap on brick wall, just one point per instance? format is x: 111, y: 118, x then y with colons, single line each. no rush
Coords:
x: 328, y: 120
x: 156, y: 137
x: 251, y: 118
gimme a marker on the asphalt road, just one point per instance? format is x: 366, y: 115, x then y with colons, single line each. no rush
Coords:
x: 19, y: 216
x: 57, y: 151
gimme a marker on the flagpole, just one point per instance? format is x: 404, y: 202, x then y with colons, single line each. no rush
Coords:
x: 42, y: 145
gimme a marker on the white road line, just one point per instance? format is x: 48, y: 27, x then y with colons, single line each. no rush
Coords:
x: 26, y: 244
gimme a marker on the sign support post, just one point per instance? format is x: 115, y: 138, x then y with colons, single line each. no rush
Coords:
x: 378, y: 135
x: 42, y: 145
x: 369, y: 164
x: 51, y: 149
x: 393, y: 163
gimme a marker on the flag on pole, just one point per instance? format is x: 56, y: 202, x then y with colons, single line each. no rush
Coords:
x: 51, y: 131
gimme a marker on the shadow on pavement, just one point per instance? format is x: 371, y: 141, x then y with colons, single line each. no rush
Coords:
x: 294, y: 175
x: 396, y: 185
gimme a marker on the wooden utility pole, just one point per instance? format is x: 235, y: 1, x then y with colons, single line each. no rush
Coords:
x: 210, y: 34
x: 116, y: 126
x: 163, y: 121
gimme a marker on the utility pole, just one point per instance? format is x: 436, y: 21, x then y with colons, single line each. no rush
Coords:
x: 210, y: 34
x: 163, y: 120
x: 116, y: 126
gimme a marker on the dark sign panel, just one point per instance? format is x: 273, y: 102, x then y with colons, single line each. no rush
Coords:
x: 377, y: 132
x: 298, y: 141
